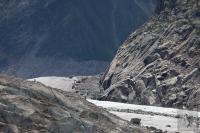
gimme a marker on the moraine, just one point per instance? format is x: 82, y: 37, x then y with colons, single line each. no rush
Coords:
x: 166, y: 119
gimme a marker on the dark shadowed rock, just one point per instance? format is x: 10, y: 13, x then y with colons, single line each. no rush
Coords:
x: 69, y: 35
x: 135, y: 121
x: 149, y: 80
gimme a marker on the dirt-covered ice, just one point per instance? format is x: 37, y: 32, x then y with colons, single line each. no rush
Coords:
x: 166, y: 119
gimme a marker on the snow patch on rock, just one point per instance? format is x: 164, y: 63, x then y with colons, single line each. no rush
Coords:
x: 63, y: 83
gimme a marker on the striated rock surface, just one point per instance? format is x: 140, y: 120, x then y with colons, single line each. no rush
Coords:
x: 31, y: 107
x: 159, y: 64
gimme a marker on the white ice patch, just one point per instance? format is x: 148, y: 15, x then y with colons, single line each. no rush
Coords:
x: 62, y: 83
x: 162, y: 118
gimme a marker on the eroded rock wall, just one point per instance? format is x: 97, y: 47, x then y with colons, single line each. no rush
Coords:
x: 159, y: 64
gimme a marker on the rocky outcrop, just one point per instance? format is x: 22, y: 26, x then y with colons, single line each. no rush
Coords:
x: 31, y: 107
x: 161, y: 60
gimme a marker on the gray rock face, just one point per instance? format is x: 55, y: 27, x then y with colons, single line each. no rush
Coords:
x: 34, y: 108
x: 38, y: 37
x: 163, y: 56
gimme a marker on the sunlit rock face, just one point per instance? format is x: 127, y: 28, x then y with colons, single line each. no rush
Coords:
x: 78, y: 37
x: 159, y: 64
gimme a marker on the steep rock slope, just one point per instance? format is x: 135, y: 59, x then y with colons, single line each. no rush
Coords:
x: 37, y: 37
x: 159, y: 64
x: 34, y: 108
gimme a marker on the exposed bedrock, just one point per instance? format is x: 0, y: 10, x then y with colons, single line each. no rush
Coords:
x: 159, y: 64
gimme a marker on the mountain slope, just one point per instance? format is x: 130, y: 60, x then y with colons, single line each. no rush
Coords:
x: 32, y: 108
x: 159, y: 64
x: 39, y: 36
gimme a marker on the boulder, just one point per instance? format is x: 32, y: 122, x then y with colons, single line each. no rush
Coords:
x: 160, y: 78
x: 149, y: 80
x: 151, y: 58
x: 107, y: 82
x: 194, y: 99
x: 139, y: 86
x: 131, y: 97
x: 164, y: 52
x: 181, y: 61
x: 173, y: 97
x: 118, y: 93
x: 171, y: 81
x: 135, y: 121
x: 148, y: 97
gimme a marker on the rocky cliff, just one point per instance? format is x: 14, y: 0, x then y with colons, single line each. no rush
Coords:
x: 34, y: 108
x: 38, y: 37
x: 159, y: 64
